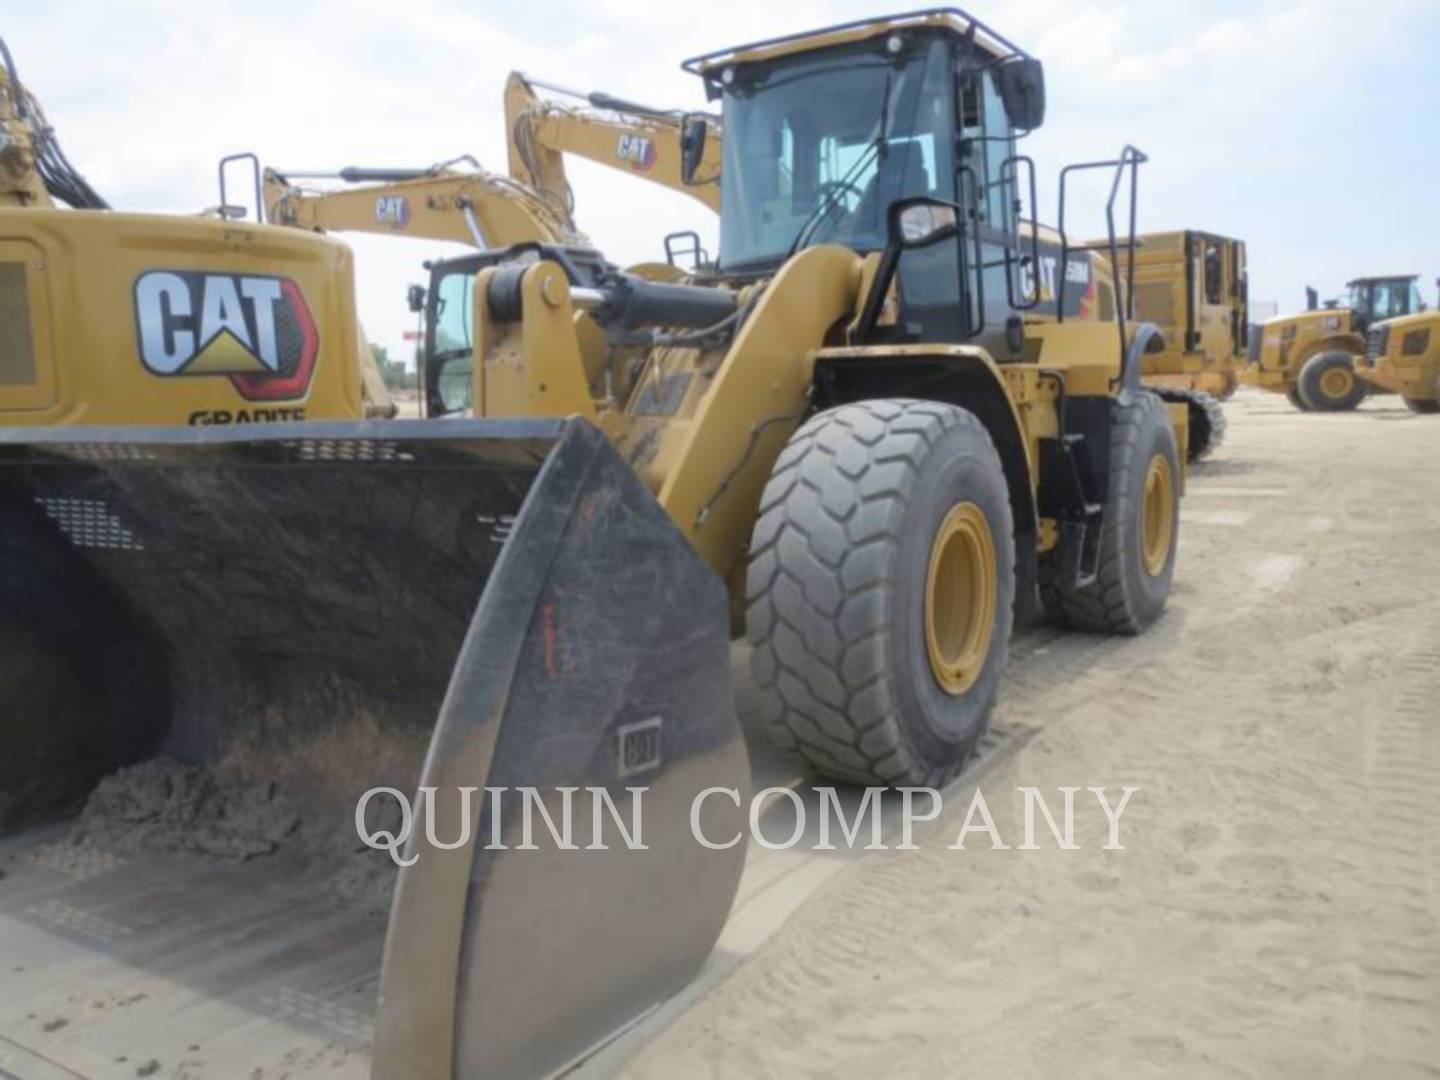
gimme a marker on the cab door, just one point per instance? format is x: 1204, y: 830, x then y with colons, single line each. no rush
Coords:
x: 986, y: 180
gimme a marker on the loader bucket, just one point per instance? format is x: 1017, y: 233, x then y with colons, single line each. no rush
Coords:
x: 487, y: 604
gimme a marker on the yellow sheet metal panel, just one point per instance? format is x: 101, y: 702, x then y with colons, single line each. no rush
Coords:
x: 17, y: 344
x: 756, y: 402
x: 150, y: 319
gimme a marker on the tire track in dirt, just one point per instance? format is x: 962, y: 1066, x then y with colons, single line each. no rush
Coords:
x: 1275, y: 914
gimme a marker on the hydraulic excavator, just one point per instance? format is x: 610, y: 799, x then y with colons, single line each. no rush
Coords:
x: 45, y: 295
x: 455, y: 200
x: 890, y: 418
x: 460, y: 201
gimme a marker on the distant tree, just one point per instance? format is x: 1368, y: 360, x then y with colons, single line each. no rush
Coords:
x: 396, y: 375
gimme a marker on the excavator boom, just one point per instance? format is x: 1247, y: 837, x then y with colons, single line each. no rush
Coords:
x: 438, y: 203
x: 673, y: 148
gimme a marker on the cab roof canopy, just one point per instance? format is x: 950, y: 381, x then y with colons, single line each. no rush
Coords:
x: 1382, y: 277
x: 954, y: 20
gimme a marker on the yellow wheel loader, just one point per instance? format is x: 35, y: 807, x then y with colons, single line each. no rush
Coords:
x: 1193, y: 286
x: 1311, y: 357
x: 886, y: 422
x: 1402, y: 356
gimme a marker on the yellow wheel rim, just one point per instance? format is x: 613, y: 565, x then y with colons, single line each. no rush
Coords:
x: 961, y: 590
x: 1337, y: 383
x: 1157, y: 516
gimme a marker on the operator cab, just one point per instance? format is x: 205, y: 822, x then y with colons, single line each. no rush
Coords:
x: 1376, y: 298
x: 826, y: 131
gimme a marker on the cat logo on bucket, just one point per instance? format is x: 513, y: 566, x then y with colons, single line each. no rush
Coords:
x: 636, y: 150
x: 253, y: 329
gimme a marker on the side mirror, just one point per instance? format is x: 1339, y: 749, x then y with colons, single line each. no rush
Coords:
x: 693, y: 133
x: 415, y: 298
x: 922, y: 221
x: 1022, y: 91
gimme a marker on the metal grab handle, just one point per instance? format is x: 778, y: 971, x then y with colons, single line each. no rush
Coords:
x: 255, y: 167
x: 1011, y: 164
x: 1130, y: 158
x: 971, y: 328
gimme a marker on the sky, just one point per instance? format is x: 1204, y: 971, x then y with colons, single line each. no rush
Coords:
x: 1304, y: 127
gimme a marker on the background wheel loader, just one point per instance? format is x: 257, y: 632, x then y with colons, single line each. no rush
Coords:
x: 1402, y: 356
x: 867, y: 436
x: 1311, y: 358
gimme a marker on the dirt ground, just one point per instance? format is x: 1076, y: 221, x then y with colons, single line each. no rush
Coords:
x: 1276, y: 910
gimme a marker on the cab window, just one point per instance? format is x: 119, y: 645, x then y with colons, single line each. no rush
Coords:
x: 1214, y: 273
x: 1389, y: 299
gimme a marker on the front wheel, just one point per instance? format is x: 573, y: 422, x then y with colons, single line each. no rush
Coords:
x: 1139, y: 530
x: 880, y: 591
x: 1328, y: 383
x: 1292, y: 395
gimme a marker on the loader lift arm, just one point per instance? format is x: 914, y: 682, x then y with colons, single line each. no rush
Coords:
x: 671, y: 147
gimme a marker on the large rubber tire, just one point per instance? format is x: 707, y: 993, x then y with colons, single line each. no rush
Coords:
x: 837, y: 585
x: 1318, y: 371
x: 1207, y: 420
x: 1423, y: 406
x: 1293, y: 396
x: 1126, y: 595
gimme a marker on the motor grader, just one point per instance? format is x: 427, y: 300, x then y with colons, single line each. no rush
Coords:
x: 870, y: 436
x: 1193, y: 286
x: 1311, y: 357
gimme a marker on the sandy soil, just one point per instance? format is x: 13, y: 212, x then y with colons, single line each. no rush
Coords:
x: 1275, y: 911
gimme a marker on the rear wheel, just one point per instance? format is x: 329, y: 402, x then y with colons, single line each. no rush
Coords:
x: 1424, y: 406
x: 880, y: 591
x: 1328, y: 383
x: 1292, y: 395
x: 1140, y: 529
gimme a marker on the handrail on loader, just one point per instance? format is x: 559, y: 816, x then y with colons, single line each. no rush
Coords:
x: 1130, y: 158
